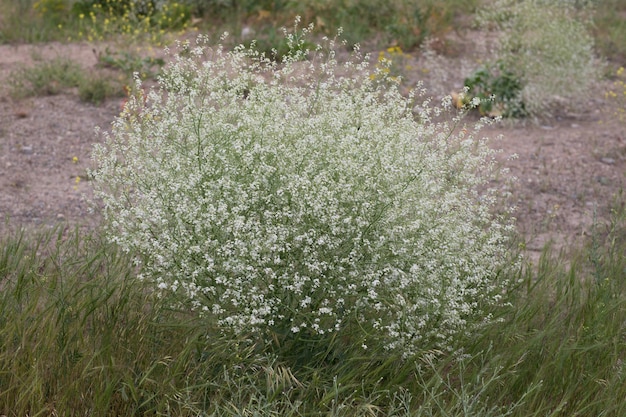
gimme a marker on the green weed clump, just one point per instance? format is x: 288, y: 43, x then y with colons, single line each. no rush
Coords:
x: 45, y: 78
x: 499, y: 92
x: 61, y: 75
x: 130, y: 63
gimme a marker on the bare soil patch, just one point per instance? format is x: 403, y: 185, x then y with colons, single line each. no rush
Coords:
x: 570, y: 169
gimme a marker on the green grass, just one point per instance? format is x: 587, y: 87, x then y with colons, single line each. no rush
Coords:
x: 80, y: 334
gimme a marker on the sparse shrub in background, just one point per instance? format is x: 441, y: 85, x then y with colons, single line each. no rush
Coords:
x: 32, y: 20
x: 546, y: 45
x: 288, y: 202
x: 45, y: 78
x: 404, y: 23
x: 610, y: 29
x: 61, y: 75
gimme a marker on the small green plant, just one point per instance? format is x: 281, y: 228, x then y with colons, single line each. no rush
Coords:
x: 97, y: 88
x: 62, y: 75
x: 499, y: 92
x: 130, y: 63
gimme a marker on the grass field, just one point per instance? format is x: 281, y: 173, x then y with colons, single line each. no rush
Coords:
x: 80, y: 334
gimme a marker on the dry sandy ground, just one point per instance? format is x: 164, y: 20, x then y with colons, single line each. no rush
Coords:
x: 570, y: 169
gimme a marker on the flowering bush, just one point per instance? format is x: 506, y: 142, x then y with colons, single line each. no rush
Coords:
x: 546, y: 45
x: 303, y: 198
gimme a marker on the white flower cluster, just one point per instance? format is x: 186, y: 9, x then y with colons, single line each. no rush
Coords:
x: 303, y: 196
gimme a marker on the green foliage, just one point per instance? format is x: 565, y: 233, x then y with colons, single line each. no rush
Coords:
x: 56, y: 10
x: 499, y: 92
x: 62, y: 75
x: 399, y: 22
x: 140, y: 8
x: 96, y: 89
x: 130, y: 63
x: 274, y: 44
x: 138, y: 21
x: 391, y: 64
x: 149, y: 13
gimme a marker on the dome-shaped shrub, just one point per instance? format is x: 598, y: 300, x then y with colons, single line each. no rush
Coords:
x: 304, y: 197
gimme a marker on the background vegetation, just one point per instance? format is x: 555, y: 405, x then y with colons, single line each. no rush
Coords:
x: 80, y: 334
